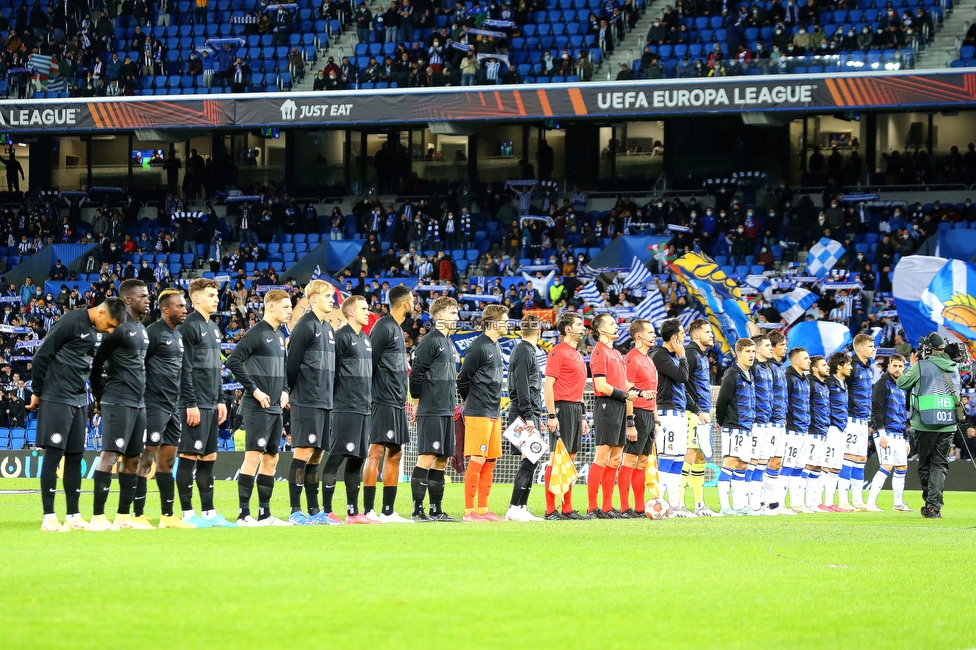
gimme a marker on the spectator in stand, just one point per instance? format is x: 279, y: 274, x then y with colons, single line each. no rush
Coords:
x: 194, y: 68
x: 297, y: 64
x: 240, y: 76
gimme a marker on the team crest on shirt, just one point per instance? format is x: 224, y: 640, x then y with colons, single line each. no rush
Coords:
x: 262, y: 442
x: 312, y: 438
x: 350, y: 446
x: 389, y: 434
x: 119, y: 442
x: 436, y: 445
x: 331, y: 339
x: 154, y: 436
x: 198, y: 445
x: 180, y: 343
x: 484, y: 447
x: 56, y: 438
x: 216, y: 333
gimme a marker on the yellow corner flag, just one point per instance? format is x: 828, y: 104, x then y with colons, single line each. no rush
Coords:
x: 563, y: 471
x: 651, y: 478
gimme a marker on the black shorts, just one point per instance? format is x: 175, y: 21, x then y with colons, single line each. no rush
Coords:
x: 570, y: 418
x: 162, y: 427
x: 435, y: 435
x: 201, y: 439
x: 644, y: 420
x: 63, y: 427
x: 610, y: 422
x: 388, y: 426
x: 310, y: 427
x: 123, y: 429
x: 350, y: 434
x: 262, y: 431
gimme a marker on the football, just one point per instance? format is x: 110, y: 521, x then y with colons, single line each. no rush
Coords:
x: 657, y: 509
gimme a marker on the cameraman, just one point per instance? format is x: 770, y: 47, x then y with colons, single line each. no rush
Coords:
x: 933, y: 379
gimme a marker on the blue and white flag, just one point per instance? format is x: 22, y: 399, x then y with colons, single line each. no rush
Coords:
x: 590, y: 294
x: 652, y: 308
x: 637, y: 275
x: 793, y: 305
x: 317, y: 273
x: 689, y: 316
x: 762, y: 284
x: 819, y: 337
x: 949, y: 299
x: 823, y: 256
x: 587, y: 272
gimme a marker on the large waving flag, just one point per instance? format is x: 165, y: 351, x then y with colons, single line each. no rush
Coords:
x: 912, y: 276
x: 794, y: 304
x: 637, y: 275
x: 819, y: 337
x: 590, y: 294
x: 652, y: 308
x: 823, y: 256
x: 717, y: 297
x: 564, y: 473
x: 949, y: 300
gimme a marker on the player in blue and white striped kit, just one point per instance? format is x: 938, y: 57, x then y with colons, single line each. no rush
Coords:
x: 774, y: 485
x: 889, y: 422
x: 735, y: 409
x: 763, y: 380
x: 797, y: 425
x: 840, y: 370
x: 814, y: 450
x: 859, y: 391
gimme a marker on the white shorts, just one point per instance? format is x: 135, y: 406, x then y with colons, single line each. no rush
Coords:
x: 737, y: 444
x: 856, y: 440
x: 834, y: 454
x: 756, y: 439
x: 815, y: 450
x: 672, y: 438
x: 896, y: 455
x: 792, y: 444
x: 775, y: 442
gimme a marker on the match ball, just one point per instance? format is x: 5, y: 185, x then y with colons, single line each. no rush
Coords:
x: 657, y: 509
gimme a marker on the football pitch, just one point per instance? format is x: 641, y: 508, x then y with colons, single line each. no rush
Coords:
x: 861, y: 580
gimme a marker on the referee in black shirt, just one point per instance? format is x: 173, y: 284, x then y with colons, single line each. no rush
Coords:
x: 311, y: 372
x: 59, y: 380
x: 351, y: 408
x: 389, y: 430
x: 164, y: 363
x: 121, y: 399
x: 258, y: 363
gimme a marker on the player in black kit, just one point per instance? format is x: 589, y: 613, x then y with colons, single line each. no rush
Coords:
x: 351, y: 409
x: 121, y: 398
x: 202, y: 409
x: 389, y: 430
x: 164, y: 364
x: 311, y: 372
x: 258, y: 363
x: 62, y: 365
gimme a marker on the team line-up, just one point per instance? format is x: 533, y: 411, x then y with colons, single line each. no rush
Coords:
x: 793, y: 440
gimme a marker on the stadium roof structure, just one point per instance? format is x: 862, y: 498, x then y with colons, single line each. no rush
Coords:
x: 897, y: 90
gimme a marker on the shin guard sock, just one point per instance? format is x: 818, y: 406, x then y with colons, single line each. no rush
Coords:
x: 369, y: 498
x: 72, y: 481
x: 830, y: 487
x: 471, y: 477
x: 623, y: 486
x: 638, y: 483
x: 857, y: 483
x: 550, y: 497
x: 771, y: 488
x: 725, y: 488
x: 435, y: 488
x: 184, y: 483
x: 103, y: 483
x: 697, y: 481
x: 166, y: 485
x: 877, y: 484
x: 814, y: 488
x: 898, y: 486
x: 418, y: 488
x: 389, y: 499
x: 608, y: 480
x: 245, y: 485
x: 484, y: 485
x: 205, y: 484
x: 685, y: 480
x: 329, y: 472
x: 523, y: 483
x: 296, y: 483
x: 311, y: 482
x: 844, y: 483
x: 798, y: 487
x: 755, y: 489
x: 593, y: 480
x: 265, y: 485
x: 49, y: 478
x: 352, y: 477
x: 139, y: 502
x: 127, y: 492
x: 740, y: 498
x: 568, y: 501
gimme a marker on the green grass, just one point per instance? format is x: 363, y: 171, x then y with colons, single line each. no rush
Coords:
x: 862, y: 580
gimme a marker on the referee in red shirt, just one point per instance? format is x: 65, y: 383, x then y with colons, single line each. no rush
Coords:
x: 563, y: 390
x: 642, y: 373
x: 613, y: 416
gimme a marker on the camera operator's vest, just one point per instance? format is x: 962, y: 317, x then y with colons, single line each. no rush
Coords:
x: 936, y: 396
